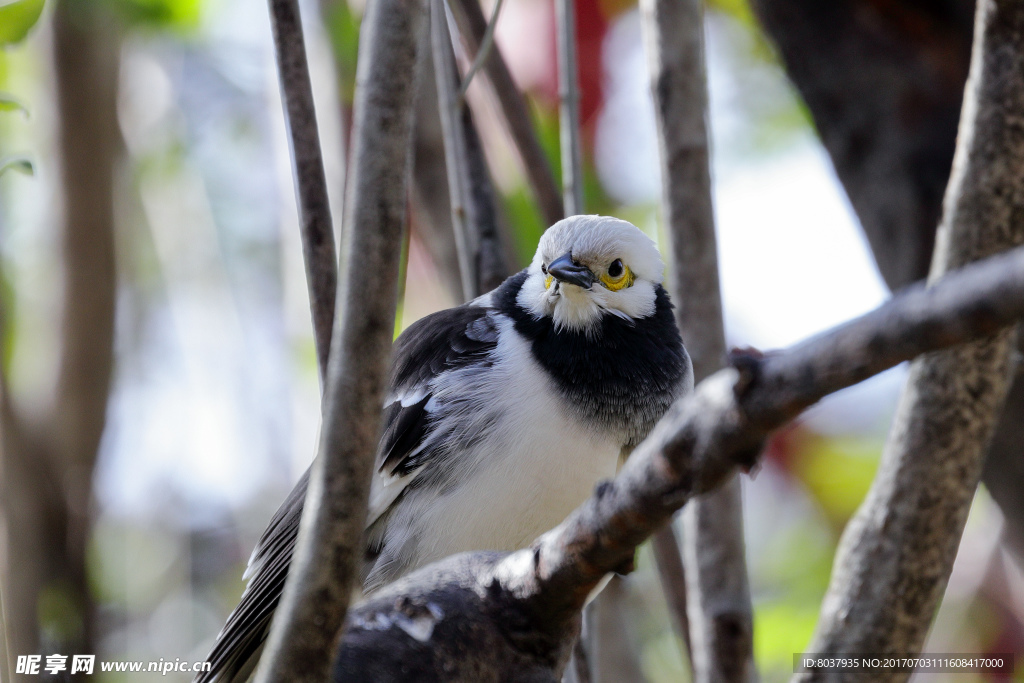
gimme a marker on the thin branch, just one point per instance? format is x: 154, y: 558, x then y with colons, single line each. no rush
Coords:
x: 613, y: 658
x: 668, y: 558
x: 569, y: 107
x: 718, y: 594
x: 472, y: 27
x: 432, y: 211
x: 572, y: 165
x: 474, y: 217
x: 486, y: 44
x: 492, y: 261
x: 485, y: 616
x: 323, y: 572
x: 308, y: 165
x: 445, y: 75
x: 579, y: 671
x: 880, y: 601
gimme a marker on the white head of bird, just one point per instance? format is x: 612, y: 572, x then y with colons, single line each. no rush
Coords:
x: 588, y: 266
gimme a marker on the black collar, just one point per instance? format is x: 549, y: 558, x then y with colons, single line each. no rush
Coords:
x: 623, y: 375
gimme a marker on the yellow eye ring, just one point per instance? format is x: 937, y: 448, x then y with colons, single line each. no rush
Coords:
x: 624, y: 279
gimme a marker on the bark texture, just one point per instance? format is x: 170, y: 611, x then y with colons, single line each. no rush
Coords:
x: 307, y: 624
x: 717, y: 589
x: 897, y: 552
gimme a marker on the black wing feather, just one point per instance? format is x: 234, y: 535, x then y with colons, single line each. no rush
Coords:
x: 443, y: 341
x: 406, y: 427
x: 246, y: 629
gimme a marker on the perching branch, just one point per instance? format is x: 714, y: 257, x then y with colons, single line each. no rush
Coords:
x: 717, y: 588
x: 472, y: 28
x: 308, y: 165
x: 495, y: 616
x: 880, y: 600
x: 323, y: 571
x: 569, y: 107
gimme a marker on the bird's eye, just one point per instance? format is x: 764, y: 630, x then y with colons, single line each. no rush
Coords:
x: 544, y: 268
x: 617, y: 276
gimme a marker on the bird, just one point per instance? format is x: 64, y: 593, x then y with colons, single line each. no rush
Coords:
x: 501, y: 416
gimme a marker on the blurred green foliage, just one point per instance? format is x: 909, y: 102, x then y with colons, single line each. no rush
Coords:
x: 130, y: 566
x: 782, y: 628
x: 17, y: 163
x: 342, y: 25
x: 838, y: 472
x: 661, y: 659
x: 180, y: 16
x: 525, y: 223
x: 16, y: 21
x: 9, y: 102
x: 17, y: 17
x: 60, y: 619
x: 738, y: 10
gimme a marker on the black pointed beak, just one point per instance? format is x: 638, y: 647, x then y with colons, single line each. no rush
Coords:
x: 565, y: 270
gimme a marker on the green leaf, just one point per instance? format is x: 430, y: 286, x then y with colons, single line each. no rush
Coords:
x: 17, y: 163
x: 9, y: 102
x: 17, y: 17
